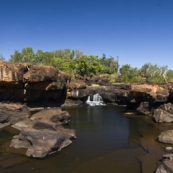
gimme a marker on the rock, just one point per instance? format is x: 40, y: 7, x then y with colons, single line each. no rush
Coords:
x: 166, y: 137
x: 40, y: 74
x: 54, y: 115
x: 72, y: 103
x: 13, y: 113
x: 40, y: 143
x: 76, y: 82
x: 144, y: 108
x: 11, y: 72
x: 165, y: 167
x: 162, y: 116
x: 169, y: 156
x: 146, y: 92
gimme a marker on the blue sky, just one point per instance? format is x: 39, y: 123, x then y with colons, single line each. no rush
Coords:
x: 138, y: 31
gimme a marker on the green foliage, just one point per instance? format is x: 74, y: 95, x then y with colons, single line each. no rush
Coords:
x: 156, y: 79
x: 87, y: 65
x: 169, y: 76
x: 109, y: 64
x: 73, y: 61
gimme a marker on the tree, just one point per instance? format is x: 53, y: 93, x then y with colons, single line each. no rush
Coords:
x: 38, y: 58
x: 16, y: 57
x: 48, y: 58
x: 109, y: 64
x: 87, y: 65
x: 27, y: 55
x: 78, y: 53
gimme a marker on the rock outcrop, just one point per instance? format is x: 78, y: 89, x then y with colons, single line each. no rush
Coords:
x: 43, y: 133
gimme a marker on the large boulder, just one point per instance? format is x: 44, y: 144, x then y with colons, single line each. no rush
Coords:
x: 40, y: 74
x: 162, y: 116
x: 166, y: 137
x: 164, y: 113
x: 13, y: 113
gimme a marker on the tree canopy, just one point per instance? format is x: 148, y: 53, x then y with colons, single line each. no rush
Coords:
x: 75, y: 62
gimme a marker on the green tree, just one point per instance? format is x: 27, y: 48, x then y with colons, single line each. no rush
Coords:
x: 16, y: 57
x: 27, y: 55
x: 87, y: 65
x: 48, y: 58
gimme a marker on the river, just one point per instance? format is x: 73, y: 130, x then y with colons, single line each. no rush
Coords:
x: 108, y: 141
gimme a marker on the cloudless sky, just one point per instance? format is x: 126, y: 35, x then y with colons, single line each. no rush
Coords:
x: 137, y: 31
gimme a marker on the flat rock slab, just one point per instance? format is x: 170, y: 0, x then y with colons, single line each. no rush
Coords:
x: 54, y: 115
x: 13, y: 113
x: 40, y: 143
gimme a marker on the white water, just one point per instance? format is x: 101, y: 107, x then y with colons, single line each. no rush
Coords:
x: 97, y: 100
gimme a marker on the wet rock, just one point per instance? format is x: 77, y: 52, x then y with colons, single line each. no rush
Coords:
x: 54, y: 115
x: 12, y: 113
x: 166, y: 137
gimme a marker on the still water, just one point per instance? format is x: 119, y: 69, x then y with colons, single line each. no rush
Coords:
x: 107, y: 141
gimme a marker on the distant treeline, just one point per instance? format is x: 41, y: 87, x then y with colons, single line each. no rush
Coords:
x: 75, y: 62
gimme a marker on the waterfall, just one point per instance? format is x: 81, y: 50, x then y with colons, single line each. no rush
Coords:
x: 97, y: 100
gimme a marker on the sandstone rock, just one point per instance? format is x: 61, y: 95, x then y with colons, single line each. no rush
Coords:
x: 54, y: 115
x: 40, y: 73
x: 13, y: 113
x: 11, y: 72
x: 158, y: 93
x: 166, y: 137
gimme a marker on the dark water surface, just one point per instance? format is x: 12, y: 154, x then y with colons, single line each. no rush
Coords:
x: 107, y: 142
